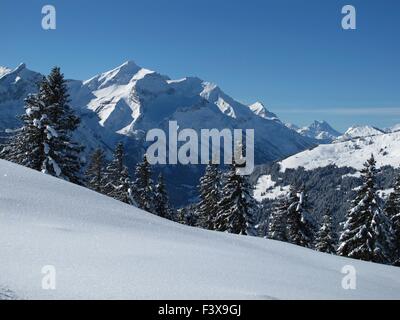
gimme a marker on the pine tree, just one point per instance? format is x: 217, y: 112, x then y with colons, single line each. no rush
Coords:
x: 299, y: 221
x: 44, y: 142
x: 326, y: 240
x: 26, y: 145
x: 95, y: 175
x: 237, y: 207
x: 117, y: 181
x: 210, y: 196
x: 392, y: 210
x: 162, y: 206
x: 62, y: 153
x: 143, y: 185
x: 277, y: 228
x: 366, y: 233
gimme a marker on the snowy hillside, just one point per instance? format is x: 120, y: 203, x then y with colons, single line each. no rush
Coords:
x: 102, y: 248
x: 360, y: 131
x: 352, y: 153
x: 395, y: 128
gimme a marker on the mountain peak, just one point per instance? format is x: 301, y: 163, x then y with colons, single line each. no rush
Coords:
x: 320, y: 122
x: 259, y: 109
x: 320, y: 130
x: 120, y: 75
x: 128, y: 68
x: 20, y: 67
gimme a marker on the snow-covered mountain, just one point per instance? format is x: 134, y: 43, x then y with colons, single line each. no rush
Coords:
x: 101, y: 248
x: 123, y: 103
x: 352, y: 153
x: 394, y: 128
x: 360, y: 131
x: 130, y: 100
x: 4, y: 70
x: 320, y: 130
x: 15, y: 85
x: 292, y: 126
x: 259, y: 109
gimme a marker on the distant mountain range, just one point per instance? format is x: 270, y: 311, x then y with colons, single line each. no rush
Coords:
x: 320, y: 130
x: 123, y: 103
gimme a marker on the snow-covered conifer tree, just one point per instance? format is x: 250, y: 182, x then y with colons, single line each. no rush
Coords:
x: 392, y: 210
x: 326, y: 239
x: 236, y: 210
x: 62, y: 153
x: 95, y: 176
x: 367, y: 232
x: 26, y: 145
x: 210, y: 195
x: 277, y: 227
x: 161, y: 201
x: 300, y: 224
x: 117, y: 182
x: 143, y: 186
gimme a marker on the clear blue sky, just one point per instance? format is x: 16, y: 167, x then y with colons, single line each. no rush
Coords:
x: 290, y: 54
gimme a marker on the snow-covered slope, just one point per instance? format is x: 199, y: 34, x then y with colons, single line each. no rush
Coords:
x: 101, y: 248
x: 320, y: 130
x: 351, y: 153
x: 394, y: 128
x: 360, y: 131
x: 4, y: 70
x: 266, y: 188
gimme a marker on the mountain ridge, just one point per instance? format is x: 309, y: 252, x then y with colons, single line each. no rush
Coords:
x: 122, y: 104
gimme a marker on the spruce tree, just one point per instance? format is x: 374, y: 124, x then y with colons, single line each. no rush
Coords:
x: 237, y: 207
x: 26, y: 145
x: 392, y: 210
x: 326, y: 239
x: 143, y: 186
x: 277, y: 227
x: 44, y: 142
x: 62, y: 153
x: 117, y: 181
x: 95, y: 175
x: 300, y: 225
x: 366, y: 232
x: 210, y: 195
x: 161, y: 201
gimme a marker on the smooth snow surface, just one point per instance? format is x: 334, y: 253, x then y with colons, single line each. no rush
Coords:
x: 105, y: 249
